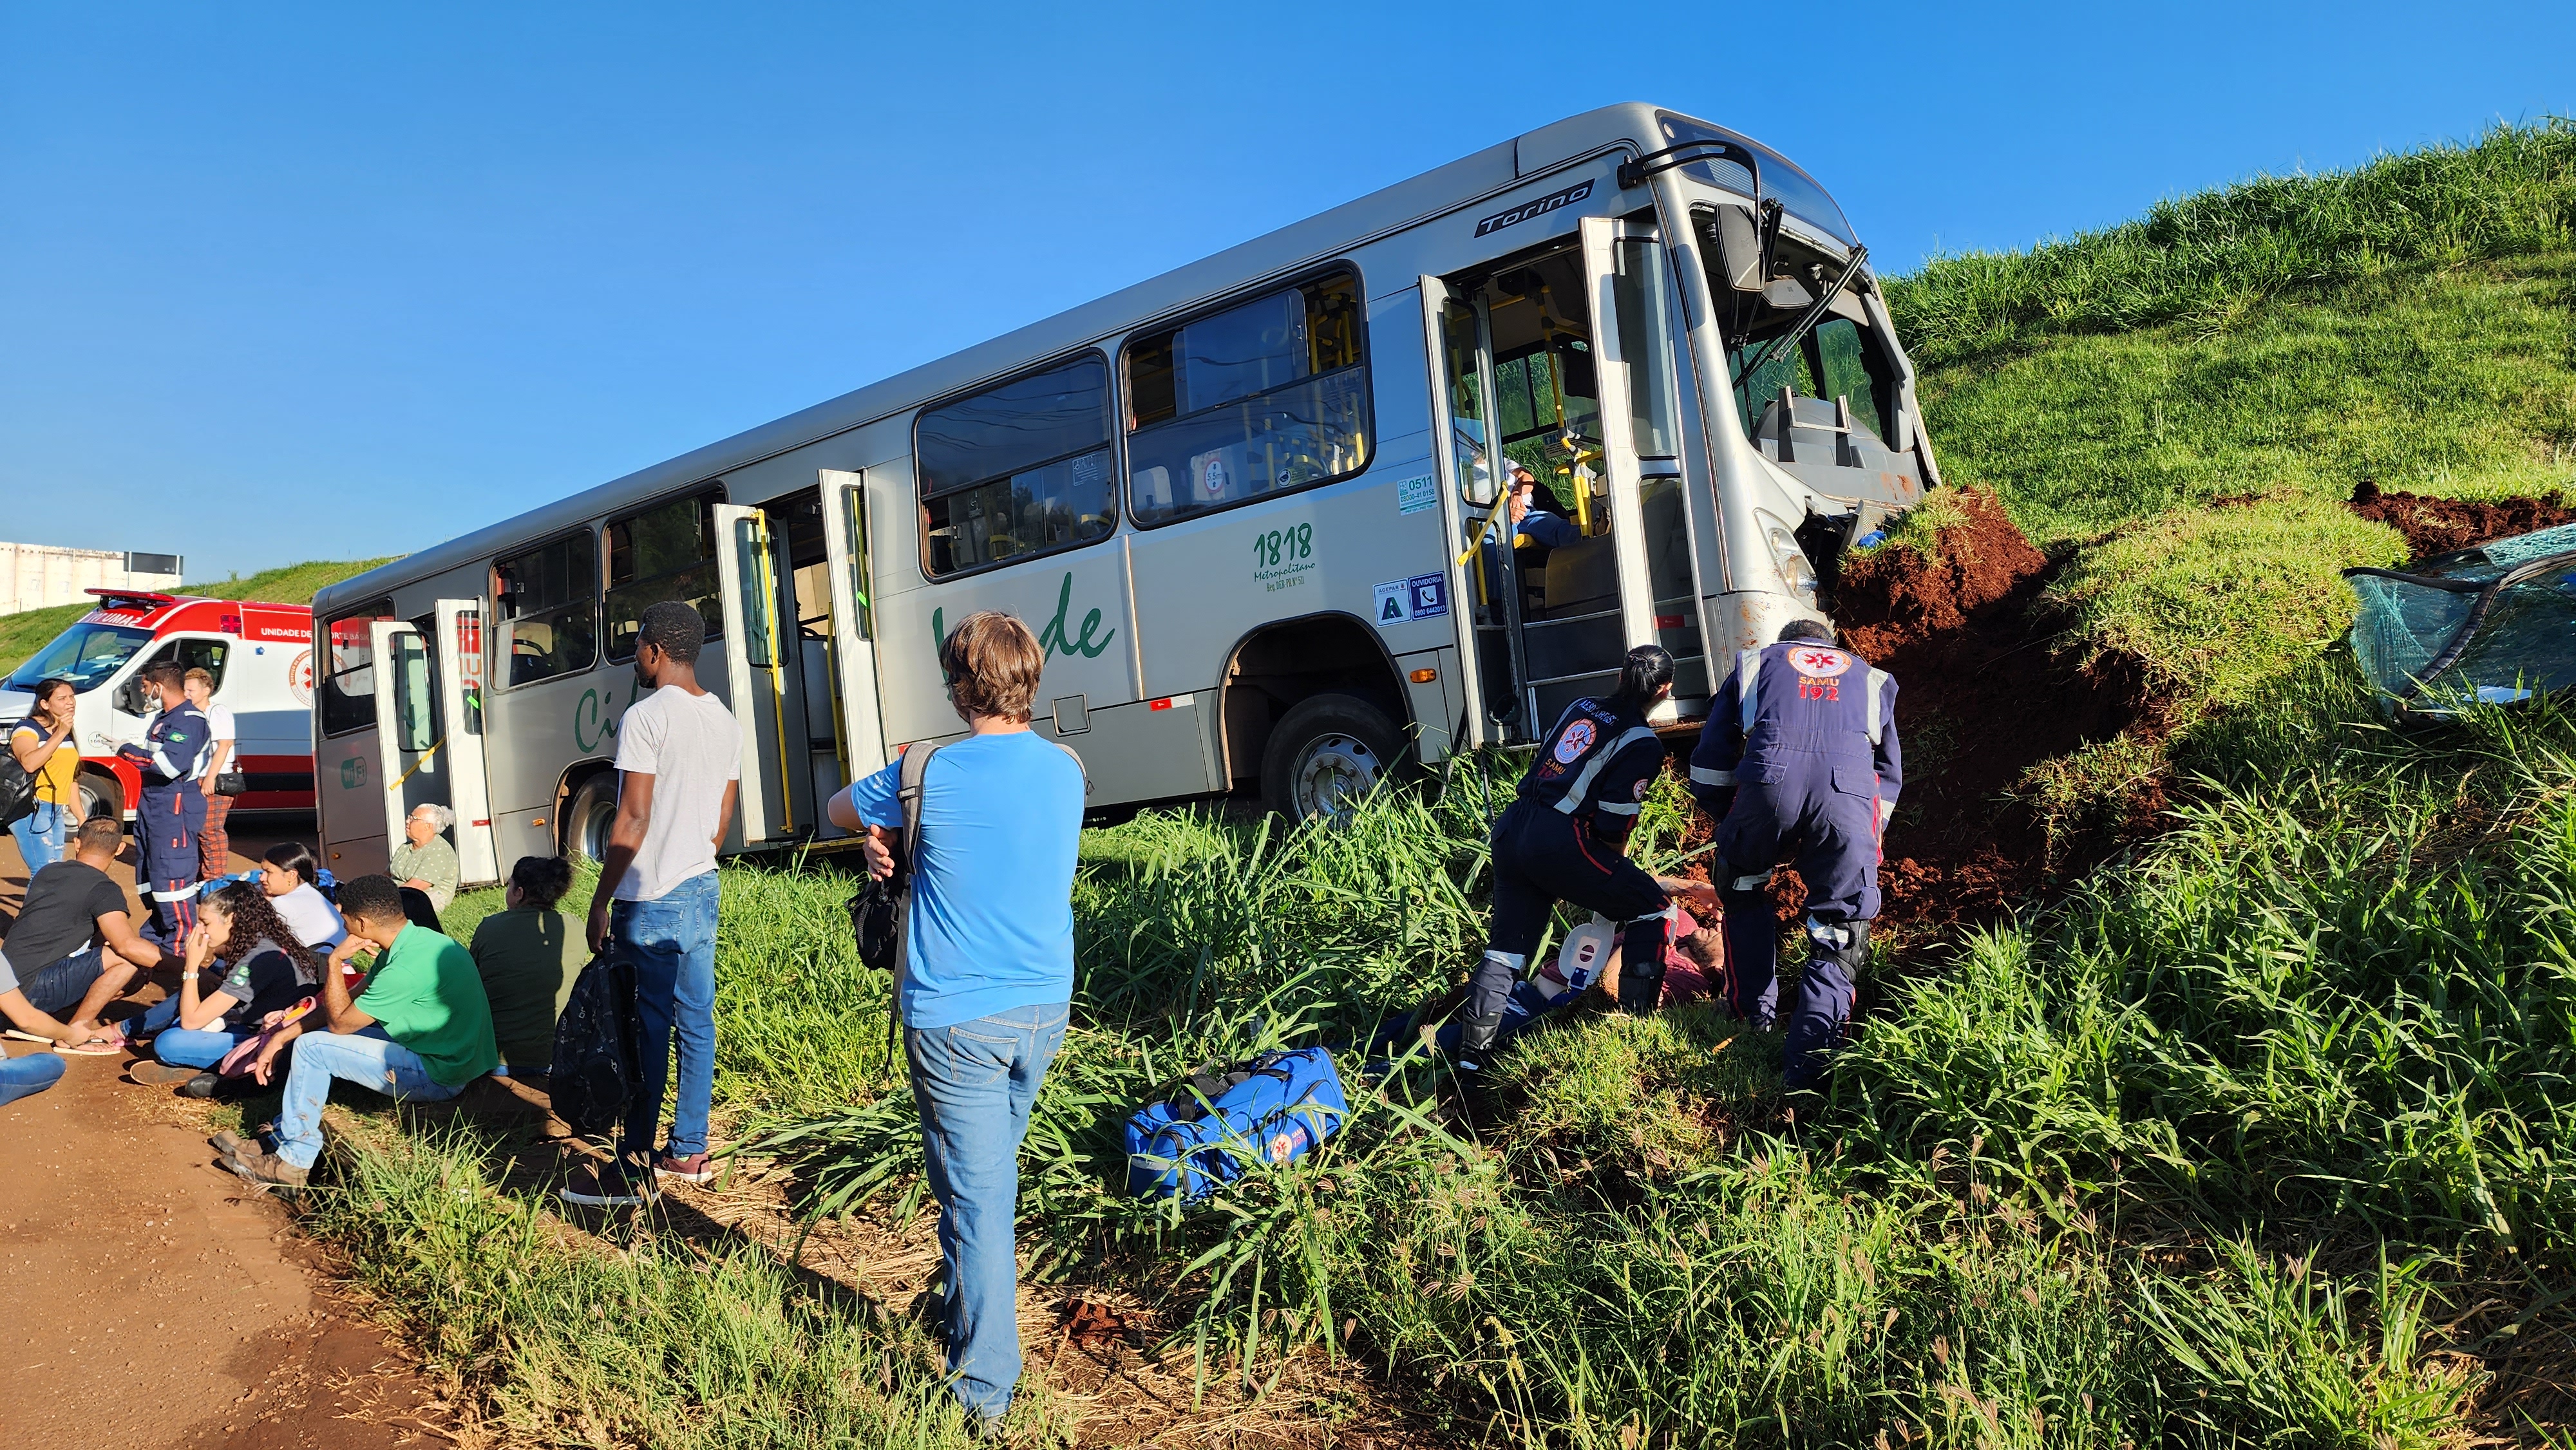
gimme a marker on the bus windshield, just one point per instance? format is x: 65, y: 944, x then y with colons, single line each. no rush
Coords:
x: 84, y: 654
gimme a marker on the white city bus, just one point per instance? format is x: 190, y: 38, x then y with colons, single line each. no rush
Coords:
x: 1248, y: 505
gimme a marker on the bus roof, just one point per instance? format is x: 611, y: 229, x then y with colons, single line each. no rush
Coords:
x: 1496, y: 169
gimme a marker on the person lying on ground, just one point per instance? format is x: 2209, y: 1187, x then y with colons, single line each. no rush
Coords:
x: 424, y: 861
x: 529, y: 955
x: 421, y: 1031
x: 73, y: 941
x: 262, y: 970
x: 292, y: 879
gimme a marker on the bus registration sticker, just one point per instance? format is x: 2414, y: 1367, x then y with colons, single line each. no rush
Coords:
x: 1413, y: 495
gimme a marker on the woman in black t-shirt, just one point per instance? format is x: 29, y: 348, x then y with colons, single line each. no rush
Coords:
x: 261, y: 968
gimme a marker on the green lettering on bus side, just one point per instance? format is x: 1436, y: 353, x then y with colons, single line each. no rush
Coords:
x: 1052, y: 639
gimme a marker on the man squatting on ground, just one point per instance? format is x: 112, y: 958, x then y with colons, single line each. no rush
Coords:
x: 679, y: 763
x: 1564, y: 837
x: 421, y: 1031
x: 1799, y: 758
x: 176, y: 743
x: 988, y: 974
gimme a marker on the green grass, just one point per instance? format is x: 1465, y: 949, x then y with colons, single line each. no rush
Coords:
x: 2260, y: 1137
x: 24, y: 633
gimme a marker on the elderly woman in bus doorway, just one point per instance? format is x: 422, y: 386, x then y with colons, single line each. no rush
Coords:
x: 425, y: 862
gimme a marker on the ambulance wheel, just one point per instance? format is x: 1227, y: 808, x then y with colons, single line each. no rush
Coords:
x: 1325, y: 753
x: 100, y: 795
x: 589, y: 814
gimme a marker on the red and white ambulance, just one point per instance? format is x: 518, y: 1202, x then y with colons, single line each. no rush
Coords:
x: 261, y: 656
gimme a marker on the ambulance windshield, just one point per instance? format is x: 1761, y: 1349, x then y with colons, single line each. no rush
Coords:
x: 85, y: 654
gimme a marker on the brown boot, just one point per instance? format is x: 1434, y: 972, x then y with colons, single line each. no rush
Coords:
x: 267, y: 1170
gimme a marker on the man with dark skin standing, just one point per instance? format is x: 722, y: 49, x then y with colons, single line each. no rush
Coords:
x: 679, y: 763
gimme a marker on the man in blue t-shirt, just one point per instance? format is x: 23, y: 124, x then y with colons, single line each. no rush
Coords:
x: 988, y: 974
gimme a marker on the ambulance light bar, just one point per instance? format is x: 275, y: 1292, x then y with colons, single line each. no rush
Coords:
x: 131, y: 598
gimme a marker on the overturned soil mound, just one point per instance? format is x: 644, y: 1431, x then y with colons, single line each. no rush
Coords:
x: 1982, y: 698
x: 2439, y: 525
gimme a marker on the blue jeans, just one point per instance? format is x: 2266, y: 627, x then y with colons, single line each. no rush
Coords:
x: 671, y: 944
x: 26, y: 1076
x: 40, y: 836
x: 183, y: 1046
x: 370, y: 1059
x: 973, y: 1085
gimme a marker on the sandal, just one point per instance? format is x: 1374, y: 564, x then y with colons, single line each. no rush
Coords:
x: 95, y: 1047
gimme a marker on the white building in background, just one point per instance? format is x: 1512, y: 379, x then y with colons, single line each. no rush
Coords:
x: 33, y: 576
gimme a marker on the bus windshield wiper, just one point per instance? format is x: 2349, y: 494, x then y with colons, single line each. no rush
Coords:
x: 1772, y: 350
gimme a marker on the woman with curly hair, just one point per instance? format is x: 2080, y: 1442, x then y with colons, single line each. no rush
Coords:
x: 264, y: 969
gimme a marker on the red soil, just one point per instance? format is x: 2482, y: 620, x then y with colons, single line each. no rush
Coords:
x: 2439, y: 525
x: 1982, y: 697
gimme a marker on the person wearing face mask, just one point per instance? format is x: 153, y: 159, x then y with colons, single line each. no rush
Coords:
x: 170, y: 757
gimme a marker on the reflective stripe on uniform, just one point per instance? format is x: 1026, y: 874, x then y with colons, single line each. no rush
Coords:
x: 1877, y: 685
x: 1702, y: 775
x: 1577, y: 788
x: 1630, y: 808
x: 1752, y: 883
x: 180, y: 895
x: 1748, y: 670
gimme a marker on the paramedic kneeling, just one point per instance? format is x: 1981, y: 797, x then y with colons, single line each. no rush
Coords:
x: 173, y: 752
x: 988, y: 970
x: 1799, y: 758
x: 1565, y: 839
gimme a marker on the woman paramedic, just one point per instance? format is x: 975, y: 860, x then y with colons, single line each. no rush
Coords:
x: 1565, y: 838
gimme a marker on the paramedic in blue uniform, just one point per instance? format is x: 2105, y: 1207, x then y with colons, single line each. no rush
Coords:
x: 1799, y: 759
x: 176, y: 743
x: 1565, y: 838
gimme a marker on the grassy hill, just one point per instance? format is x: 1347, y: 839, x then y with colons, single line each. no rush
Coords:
x: 2261, y: 1136
x: 24, y: 633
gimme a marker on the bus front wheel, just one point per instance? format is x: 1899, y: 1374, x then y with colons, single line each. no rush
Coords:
x: 592, y: 812
x: 1324, y: 754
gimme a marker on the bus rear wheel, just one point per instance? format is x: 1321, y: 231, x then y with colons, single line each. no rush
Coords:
x: 1326, y: 753
x: 587, y: 818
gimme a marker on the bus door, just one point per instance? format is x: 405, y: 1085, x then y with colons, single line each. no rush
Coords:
x: 755, y: 675
x: 1634, y: 307
x: 1560, y: 595
x: 1481, y: 572
x: 460, y: 722
x: 408, y: 739
x: 853, y: 629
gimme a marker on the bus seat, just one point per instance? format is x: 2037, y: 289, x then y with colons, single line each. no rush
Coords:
x: 1582, y: 578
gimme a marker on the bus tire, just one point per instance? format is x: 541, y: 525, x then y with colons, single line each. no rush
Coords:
x: 100, y: 795
x: 589, y: 814
x: 1325, y: 753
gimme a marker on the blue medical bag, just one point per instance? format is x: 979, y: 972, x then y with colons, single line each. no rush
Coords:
x: 1273, y: 1109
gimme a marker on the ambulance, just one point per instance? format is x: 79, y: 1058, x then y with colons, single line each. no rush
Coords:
x: 261, y: 656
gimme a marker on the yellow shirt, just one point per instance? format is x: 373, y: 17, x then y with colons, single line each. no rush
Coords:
x: 54, y: 781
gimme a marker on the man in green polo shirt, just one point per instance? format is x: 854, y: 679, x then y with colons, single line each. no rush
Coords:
x: 421, y: 1030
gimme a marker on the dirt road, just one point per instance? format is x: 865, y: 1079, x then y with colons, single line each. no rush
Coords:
x: 155, y: 1301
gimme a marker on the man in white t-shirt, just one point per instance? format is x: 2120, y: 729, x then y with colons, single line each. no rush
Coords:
x: 214, y: 847
x: 679, y: 762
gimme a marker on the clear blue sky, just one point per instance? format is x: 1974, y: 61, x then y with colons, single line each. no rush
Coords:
x: 282, y: 282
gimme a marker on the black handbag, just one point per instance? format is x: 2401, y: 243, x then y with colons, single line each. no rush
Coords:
x: 877, y: 909
x: 232, y: 782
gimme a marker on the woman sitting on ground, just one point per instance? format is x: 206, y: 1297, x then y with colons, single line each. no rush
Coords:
x: 292, y: 879
x: 528, y: 956
x: 264, y: 969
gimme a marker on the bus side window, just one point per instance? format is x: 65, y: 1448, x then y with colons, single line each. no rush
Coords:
x: 1266, y: 396
x: 666, y: 552
x: 549, y: 608
x: 346, y: 686
x: 1016, y: 470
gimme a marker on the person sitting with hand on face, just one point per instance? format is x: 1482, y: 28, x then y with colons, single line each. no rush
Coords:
x: 263, y: 970
x: 420, y: 1032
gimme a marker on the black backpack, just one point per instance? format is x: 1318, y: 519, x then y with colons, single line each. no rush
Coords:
x: 596, y: 1062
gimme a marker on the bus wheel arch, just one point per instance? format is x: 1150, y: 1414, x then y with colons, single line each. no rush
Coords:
x: 585, y: 804
x: 1312, y: 703
x: 101, y: 794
